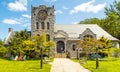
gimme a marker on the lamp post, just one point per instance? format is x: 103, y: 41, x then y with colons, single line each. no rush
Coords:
x: 41, y: 56
x: 97, y: 62
x: 61, y: 51
x: 77, y: 54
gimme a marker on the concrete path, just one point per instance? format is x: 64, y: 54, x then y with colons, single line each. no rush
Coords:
x: 66, y: 65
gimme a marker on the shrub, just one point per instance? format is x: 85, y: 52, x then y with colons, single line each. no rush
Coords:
x: 116, y: 52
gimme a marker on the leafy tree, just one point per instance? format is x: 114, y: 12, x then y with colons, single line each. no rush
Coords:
x: 29, y: 48
x: 116, y: 52
x: 3, y: 50
x: 91, y: 21
x: 49, y: 47
x: 105, y: 47
x: 112, y: 19
x: 88, y: 45
x: 39, y: 41
x: 16, y: 42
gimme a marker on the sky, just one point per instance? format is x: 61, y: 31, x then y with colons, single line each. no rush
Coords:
x: 16, y: 14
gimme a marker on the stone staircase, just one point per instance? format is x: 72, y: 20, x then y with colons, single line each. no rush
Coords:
x: 60, y: 55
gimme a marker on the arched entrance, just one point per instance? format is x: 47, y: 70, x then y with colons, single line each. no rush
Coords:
x: 60, y: 46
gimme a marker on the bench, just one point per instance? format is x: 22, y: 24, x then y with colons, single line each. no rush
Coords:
x: 47, y: 60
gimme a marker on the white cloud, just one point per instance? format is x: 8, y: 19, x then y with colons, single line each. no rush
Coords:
x: 75, y: 22
x: 88, y: 7
x: 64, y: 7
x: 58, y: 12
x: 27, y: 16
x: 15, y: 21
x: 26, y: 25
x: 18, y: 5
x: 11, y: 21
x: 50, y: 0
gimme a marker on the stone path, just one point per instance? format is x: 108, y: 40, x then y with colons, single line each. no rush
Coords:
x: 66, y: 65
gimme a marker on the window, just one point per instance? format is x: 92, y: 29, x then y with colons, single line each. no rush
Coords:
x: 73, y: 47
x: 51, y: 14
x: 42, y: 25
x: 48, y: 25
x: 37, y: 25
x: 87, y: 37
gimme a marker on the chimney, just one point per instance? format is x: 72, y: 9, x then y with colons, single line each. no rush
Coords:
x: 10, y: 29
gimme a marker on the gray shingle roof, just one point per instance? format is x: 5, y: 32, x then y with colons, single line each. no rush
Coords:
x: 73, y: 30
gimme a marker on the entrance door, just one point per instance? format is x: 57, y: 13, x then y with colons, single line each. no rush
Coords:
x: 60, y: 46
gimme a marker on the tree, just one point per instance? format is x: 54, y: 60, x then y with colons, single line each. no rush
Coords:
x: 39, y: 41
x: 48, y: 46
x: 112, y: 19
x: 16, y: 42
x: 3, y: 50
x: 29, y: 48
x: 91, y: 21
x: 104, y: 49
x: 88, y: 45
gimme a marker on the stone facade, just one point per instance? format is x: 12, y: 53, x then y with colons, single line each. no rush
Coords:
x: 65, y: 36
x: 42, y: 20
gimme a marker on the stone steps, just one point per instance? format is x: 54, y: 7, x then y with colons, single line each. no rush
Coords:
x: 60, y: 55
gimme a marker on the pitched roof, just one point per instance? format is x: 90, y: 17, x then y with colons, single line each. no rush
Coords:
x: 10, y: 35
x: 73, y: 30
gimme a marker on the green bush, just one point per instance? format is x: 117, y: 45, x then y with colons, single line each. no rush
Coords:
x: 116, y: 53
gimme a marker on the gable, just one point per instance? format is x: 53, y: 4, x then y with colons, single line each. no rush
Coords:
x: 87, y: 32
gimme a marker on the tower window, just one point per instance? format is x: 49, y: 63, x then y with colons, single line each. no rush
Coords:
x: 48, y: 25
x: 42, y: 25
x: 37, y: 25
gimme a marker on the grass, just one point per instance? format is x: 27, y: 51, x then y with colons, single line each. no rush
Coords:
x: 23, y: 66
x: 105, y: 65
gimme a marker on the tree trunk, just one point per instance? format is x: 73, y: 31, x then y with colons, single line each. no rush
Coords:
x: 97, y: 62
x: 41, y: 57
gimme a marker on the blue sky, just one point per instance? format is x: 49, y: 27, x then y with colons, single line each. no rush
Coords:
x: 17, y: 13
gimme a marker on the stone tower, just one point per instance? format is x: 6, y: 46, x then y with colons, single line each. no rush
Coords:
x: 42, y: 20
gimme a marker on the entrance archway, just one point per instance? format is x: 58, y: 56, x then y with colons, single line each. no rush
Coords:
x: 60, y: 46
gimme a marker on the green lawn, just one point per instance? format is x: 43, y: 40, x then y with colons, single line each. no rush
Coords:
x: 107, y: 65
x: 23, y: 66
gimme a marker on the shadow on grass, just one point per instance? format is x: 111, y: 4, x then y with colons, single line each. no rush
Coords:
x: 33, y: 68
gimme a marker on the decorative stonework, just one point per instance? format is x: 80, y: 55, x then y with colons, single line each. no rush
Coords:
x: 42, y: 16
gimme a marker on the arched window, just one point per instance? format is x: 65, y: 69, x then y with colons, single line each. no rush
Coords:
x: 48, y: 37
x: 42, y: 25
x: 48, y: 25
x: 37, y: 25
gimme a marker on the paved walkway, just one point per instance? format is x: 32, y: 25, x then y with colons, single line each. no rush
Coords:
x: 66, y: 65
